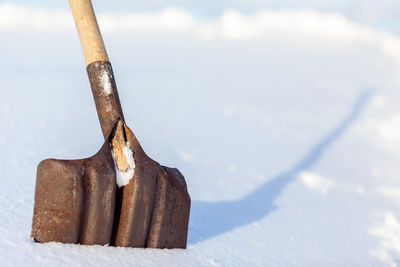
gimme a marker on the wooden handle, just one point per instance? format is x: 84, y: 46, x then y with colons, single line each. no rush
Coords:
x: 88, y: 31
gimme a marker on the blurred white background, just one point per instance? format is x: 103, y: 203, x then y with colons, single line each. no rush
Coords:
x: 383, y: 14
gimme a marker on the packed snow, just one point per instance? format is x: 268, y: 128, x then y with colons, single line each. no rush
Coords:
x: 285, y: 124
x: 123, y: 177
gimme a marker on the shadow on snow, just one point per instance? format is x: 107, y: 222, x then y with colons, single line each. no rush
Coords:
x: 210, y: 219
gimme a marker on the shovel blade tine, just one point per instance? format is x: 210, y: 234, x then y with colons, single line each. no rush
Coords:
x: 137, y: 199
x: 169, y: 225
x: 99, y: 200
x: 74, y: 200
x: 155, y: 205
x: 77, y: 201
x: 58, y: 201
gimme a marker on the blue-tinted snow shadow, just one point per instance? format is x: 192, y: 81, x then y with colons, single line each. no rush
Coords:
x: 210, y: 219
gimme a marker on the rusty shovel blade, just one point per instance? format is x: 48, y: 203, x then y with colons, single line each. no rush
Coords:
x: 77, y: 201
x: 154, y: 206
x: 119, y: 196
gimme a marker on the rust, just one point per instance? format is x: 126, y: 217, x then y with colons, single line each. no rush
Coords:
x: 77, y: 201
x: 105, y: 94
x: 155, y: 205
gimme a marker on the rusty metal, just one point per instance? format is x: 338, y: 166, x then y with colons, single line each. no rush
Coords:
x: 75, y: 200
x: 78, y: 202
x: 155, y: 205
x: 105, y: 94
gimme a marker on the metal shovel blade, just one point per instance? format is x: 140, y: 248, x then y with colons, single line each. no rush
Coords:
x: 154, y: 205
x: 77, y: 201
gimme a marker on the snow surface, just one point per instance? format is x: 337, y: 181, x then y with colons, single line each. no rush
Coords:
x: 285, y: 124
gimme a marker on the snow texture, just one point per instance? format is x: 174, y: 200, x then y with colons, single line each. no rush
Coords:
x: 105, y: 82
x: 389, y: 233
x: 123, y: 178
x: 316, y: 182
x: 284, y: 123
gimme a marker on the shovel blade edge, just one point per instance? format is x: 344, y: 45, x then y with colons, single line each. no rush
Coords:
x: 169, y: 225
x: 58, y: 201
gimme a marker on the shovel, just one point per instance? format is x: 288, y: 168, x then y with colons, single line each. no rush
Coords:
x: 119, y: 196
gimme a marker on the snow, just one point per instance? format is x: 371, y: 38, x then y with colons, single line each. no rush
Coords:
x: 389, y: 234
x: 315, y: 182
x: 123, y: 178
x: 285, y: 129
x: 105, y: 82
x: 373, y: 13
x: 389, y: 191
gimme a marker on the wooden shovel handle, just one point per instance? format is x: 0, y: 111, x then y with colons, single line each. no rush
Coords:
x: 98, y: 66
x: 88, y: 30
